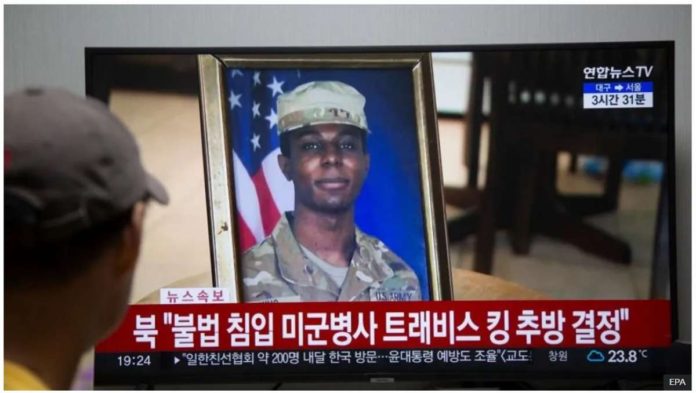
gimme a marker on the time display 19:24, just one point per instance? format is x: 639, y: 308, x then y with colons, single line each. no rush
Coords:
x: 134, y: 360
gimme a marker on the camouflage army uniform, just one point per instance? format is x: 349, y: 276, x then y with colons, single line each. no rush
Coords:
x: 276, y: 270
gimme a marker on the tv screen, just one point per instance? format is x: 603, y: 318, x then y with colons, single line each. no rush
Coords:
x: 497, y: 216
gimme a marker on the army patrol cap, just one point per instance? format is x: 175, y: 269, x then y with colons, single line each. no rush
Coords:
x: 69, y: 164
x: 321, y: 102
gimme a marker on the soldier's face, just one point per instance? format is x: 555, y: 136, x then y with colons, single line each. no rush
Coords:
x: 327, y: 166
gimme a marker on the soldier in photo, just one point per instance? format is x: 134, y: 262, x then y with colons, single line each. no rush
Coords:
x: 316, y: 252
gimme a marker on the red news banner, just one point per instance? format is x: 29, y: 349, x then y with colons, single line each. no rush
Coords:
x: 398, y: 325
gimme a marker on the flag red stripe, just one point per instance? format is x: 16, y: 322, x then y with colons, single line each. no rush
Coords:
x: 246, y: 237
x: 269, y: 210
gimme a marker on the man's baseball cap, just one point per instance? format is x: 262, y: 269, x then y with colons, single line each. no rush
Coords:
x: 321, y: 102
x: 70, y: 164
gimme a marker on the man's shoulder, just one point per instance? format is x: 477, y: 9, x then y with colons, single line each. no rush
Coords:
x: 260, y: 277
x: 266, y: 252
x: 383, y: 253
x: 260, y: 258
x: 19, y: 377
x: 403, y: 284
x: 260, y: 252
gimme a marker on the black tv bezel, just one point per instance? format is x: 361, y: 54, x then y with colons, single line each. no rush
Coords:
x: 91, y: 81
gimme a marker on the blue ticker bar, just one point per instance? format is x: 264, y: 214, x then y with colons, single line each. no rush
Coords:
x: 617, y: 87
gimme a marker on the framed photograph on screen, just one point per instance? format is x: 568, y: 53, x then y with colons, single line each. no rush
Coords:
x: 323, y: 177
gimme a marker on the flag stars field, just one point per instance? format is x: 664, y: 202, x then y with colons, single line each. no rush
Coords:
x: 272, y: 119
x: 256, y: 109
x: 234, y: 100
x: 276, y: 87
x: 255, y: 142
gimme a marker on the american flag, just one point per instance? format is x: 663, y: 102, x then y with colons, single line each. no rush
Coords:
x: 389, y: 205
x: 262, y: 192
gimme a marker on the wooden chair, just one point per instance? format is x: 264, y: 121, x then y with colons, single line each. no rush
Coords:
x: 536, y: 112
x: 467, y: 199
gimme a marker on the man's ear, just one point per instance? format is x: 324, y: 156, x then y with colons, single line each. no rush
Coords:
x: 284, y: 164
x: 131, y: 238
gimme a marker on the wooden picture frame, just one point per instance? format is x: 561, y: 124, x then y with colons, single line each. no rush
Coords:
x: 401, y: 202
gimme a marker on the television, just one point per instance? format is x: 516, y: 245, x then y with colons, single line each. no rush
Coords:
x: 529, y: 189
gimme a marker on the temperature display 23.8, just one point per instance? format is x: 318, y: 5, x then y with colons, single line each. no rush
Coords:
x: 626, y: 356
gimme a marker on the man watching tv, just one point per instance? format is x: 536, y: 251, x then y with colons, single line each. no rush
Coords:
x: 75, y: 198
